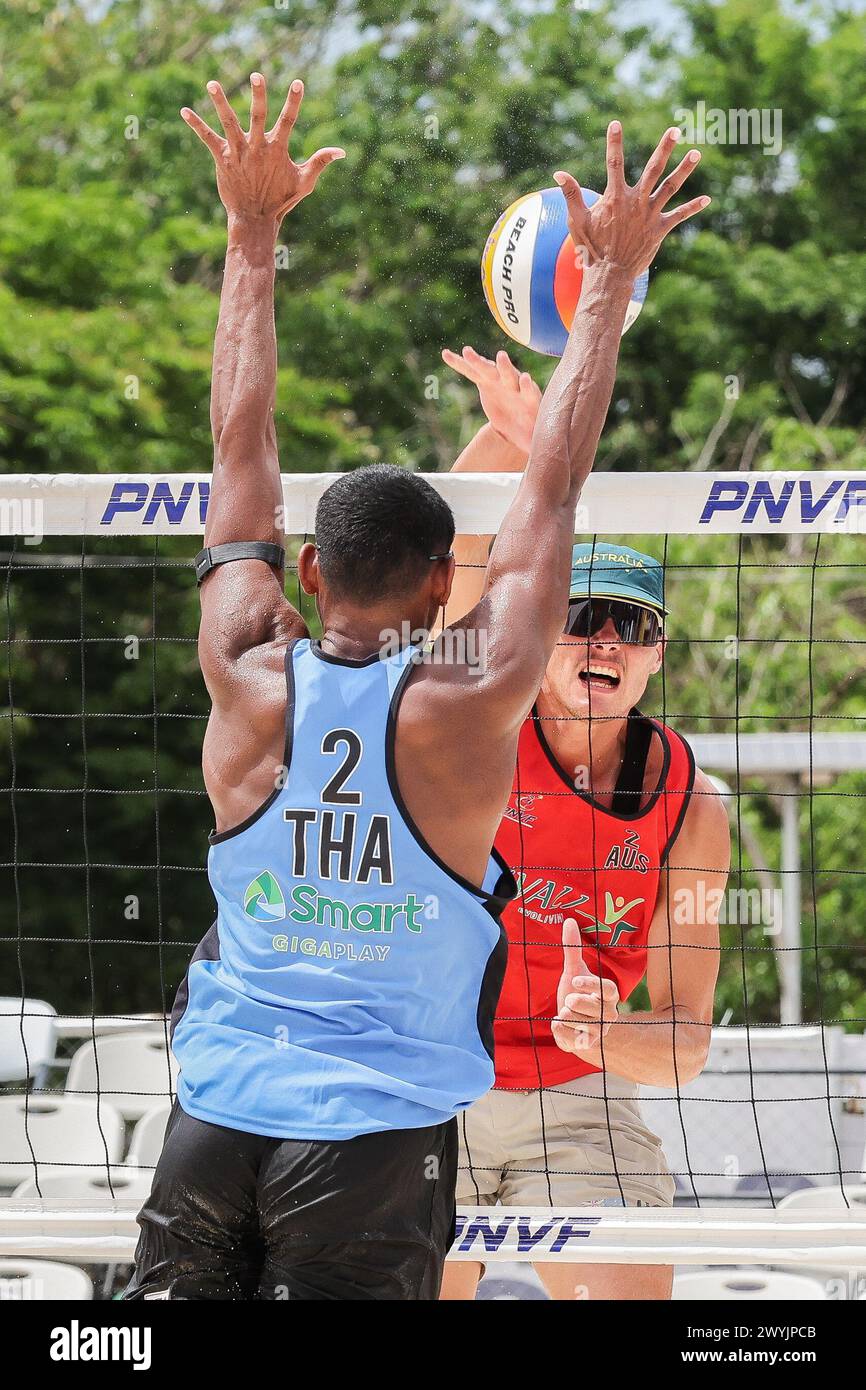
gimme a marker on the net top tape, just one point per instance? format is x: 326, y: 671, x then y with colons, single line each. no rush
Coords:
x: 33, y: 505
x: 831, y: 1238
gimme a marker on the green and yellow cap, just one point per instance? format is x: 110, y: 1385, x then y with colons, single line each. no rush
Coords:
x: 609, y: 570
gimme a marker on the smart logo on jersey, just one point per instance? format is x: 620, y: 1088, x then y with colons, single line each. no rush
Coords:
x: 263, y: 900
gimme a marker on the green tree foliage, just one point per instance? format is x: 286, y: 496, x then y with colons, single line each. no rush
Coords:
x: 749, y: 354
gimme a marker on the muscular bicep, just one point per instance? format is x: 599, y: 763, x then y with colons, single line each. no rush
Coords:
x: 683, y: 959
x: 243, y: 608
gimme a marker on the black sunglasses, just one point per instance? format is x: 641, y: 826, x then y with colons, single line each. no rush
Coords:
x: 635, y: 625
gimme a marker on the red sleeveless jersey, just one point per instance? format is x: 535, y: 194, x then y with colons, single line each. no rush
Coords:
x: 551, y: 836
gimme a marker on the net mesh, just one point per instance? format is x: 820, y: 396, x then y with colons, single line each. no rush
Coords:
x: 103, y: 824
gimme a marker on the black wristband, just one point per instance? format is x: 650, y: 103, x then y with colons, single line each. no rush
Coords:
x: 214, y: 555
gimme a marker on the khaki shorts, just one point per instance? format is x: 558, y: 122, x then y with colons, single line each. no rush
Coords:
x: 563, y: 1146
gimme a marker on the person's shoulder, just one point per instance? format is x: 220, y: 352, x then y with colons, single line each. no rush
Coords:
x: 706, y: 829
x: 698, y: 786
x: 673, y: 737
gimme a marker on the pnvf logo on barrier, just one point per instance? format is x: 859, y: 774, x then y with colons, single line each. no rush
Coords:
x: 153, y: 501
x: 520, y: 1234
x: 807, y: 500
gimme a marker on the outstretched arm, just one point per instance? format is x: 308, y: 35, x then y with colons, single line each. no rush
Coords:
x: 243, y: 606
x: 510, y: 400
x: 246, y: 621
x: 523, y: 607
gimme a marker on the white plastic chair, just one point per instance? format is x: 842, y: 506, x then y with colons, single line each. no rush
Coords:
x: 146, y: 1145
x: 89, y: 1188
x: 812, y: 1197
x: 37, y: 1025
x: 746, y: 1285
x: 816, y: 1198
x: 129, y: 1184
x: 61, y: 1131
x: 44, y: 1281
x: 135, y: 1071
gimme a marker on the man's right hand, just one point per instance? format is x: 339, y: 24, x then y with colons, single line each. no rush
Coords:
x: 256, y: 175
x: 626, y: 227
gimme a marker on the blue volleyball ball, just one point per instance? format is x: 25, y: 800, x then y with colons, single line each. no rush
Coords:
x: 530, y: 273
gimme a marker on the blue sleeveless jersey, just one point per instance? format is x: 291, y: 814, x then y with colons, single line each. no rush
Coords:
x: 350, y: 980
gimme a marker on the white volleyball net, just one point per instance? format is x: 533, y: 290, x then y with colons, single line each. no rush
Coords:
x: 104, y: 894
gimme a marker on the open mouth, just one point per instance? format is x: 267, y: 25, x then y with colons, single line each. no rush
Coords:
x: 597, y: 676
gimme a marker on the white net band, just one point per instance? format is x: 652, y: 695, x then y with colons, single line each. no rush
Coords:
x: 153, y: 504
x: 829, y: 1239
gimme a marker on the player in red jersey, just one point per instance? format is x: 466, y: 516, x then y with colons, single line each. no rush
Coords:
x: 610, y: 830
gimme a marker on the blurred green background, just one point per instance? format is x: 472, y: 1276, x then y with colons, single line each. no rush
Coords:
x: 750, y: 353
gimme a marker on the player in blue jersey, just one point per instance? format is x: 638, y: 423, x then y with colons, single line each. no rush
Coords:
x: 338, y: 1015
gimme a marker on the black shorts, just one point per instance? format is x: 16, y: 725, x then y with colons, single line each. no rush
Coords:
x: 238, y: 1216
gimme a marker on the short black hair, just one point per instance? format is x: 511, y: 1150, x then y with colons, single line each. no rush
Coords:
x: 375, y: 530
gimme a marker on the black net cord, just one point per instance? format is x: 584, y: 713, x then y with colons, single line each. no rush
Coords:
x: 744, y: 927
x: 160, y: 928
x: 527, y: 979
x: 819, y: 999
x: 594, y: 855
x: 13, y: 811
x: 664, y: 887
x: 88, y: 885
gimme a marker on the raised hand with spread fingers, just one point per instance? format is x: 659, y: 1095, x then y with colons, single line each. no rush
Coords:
x: 256, y: 175
x: 627, y: 225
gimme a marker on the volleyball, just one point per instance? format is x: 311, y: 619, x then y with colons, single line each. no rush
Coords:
x: 530, y: 274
